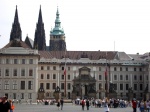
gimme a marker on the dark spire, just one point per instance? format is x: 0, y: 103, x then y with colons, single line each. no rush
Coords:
x: 16, y: 32
x: 39, y: 40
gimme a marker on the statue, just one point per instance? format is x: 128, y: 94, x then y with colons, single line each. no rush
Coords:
x: 57, y: 89
x: 130, y: 90
x: 146, y: 89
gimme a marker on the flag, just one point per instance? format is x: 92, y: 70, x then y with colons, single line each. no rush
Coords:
x: 64, y: 71
x: 106, y: 71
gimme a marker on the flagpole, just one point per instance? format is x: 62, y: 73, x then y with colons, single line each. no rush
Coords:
x: 106, y: 76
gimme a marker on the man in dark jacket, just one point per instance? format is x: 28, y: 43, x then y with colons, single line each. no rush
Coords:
x: 61, y: 103
x: 87, y: 104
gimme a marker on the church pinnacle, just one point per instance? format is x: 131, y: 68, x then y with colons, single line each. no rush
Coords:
x: 39, y: 40
x: 16, y: 32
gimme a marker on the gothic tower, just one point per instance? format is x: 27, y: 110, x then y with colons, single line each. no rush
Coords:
x: 39, y: 40
x: 57, y: 36
x: 16, y: 32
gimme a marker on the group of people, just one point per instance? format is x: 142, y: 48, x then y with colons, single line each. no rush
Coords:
x: 141, y: 105
x: 6, y: 105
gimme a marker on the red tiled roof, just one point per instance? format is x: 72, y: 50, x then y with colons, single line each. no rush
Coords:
x: 93, y: 55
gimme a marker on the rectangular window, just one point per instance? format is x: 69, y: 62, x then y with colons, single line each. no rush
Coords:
x: 48, y: 68
x: 0, y: 72
x: 62, y: 77
x: 42, y: 68
x: 47, y: 85
x: 23, y: 61
x: 6, y: 85
x: 14, y: 95
x: 127, y: 77
x: 30, y: 72
x: 141, y: 77
x: 121, y: 86
x: 100, y: 86
x: 42, y: 85
x: 135, y: 86
x: 115, y: 86
x: 54, y: 85
x: 7, y: 72
x: 69, y: 86
x: 48, y: 76
x: 15, y: 72
x: 30, y: 85
x: 100, y: 77
x: 134, y: 69
x: 68, y: 77
x: 115, y: 69
x: 54, y: 76
x: 62, y: 68
x: 99, y: 68
x: 127, y: 86
x: 141, y: 87
x: 54, y: 67
x: 120, y: 68
x: 7, y: 61
x: 140, y: 69
x: 62, y: 85
x: 126, y: 68
x: 30, y: 61
x: 23, y: 72
x: 68, y: 68
x: 135, y: 77
x: 15, y: 61
x: 30, y: 95
x: 121, y: 77
x: 22, y: 95
x: 22, y: 86
x: 115, y: 77
x: 14, y: 85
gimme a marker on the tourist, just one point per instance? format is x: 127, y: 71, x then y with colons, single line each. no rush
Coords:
x: 134, y: 104
x: 5, y: 105
x: 83, y: 104
x: 12, y: 106
x: 87, y: 104
x: 106, y: 108
x: 61, y: 103
x: 58, y: 104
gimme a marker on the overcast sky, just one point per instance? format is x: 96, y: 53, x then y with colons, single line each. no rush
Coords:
x: 90, y: 25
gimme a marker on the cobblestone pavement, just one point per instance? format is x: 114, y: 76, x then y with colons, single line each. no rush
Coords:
x: 66, y: 108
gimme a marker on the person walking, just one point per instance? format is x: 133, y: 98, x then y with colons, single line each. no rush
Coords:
x: 83, y: 104
x: 5, y: 105
x: 12, y: 107
x: 61, y: 103
x: 134, y: 104
x: 87, y: 104
x: 106, y: 108
x: 58, y: 103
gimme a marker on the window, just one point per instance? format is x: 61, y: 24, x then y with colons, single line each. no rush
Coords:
x: 15, y: 72
x: 48, y: 68
x: 135, y: 86
x: 140, y: 69
x: 120, y: 68
x: 62, y: 85
x: 48, y: 77
x: 6, y: 85
x: 115, y: 77
x: 0, y: 84
x: 42, y: 85
x: 134, y: 69
x: 23, y: 72
x: 23, y: 61
x: 126, y: 68
x: 62, y: 77
x: 0, y: 61
x: 121, y: 86
x: 54, y: 85
x: 135, y: 77
x: 15, y: 61
x: 14, y: 85
x: 14, y: 95
x: 100, y: 77
x: 68, y: 77
x: 0, y: 72
x: 42, y: 77
x: 30, y: 85
x: 22, y: 95
x: 62, y: 68
x: 7, y: 72
x: 30, y: 61
x: 22, y: 85
x: 115, y: 69
x: 54, y: 67
x: 115, y: 86
x: 121, y: 77
x: 100, y: 85
x: 30, y: 72
x: 141, y: 77
x: 47, y: 85
x: 68, y: 68
x: 54, y: 76
x: 30, y: 95
x: 127, y: 77
x: 127, y: 86
x: 69, y: 86
x: 42, y: 68
x: 7, y: 61
x: 99, y: 68
x: 141, y: 87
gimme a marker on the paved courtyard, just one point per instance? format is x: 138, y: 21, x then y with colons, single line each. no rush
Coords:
x: 67, y: 108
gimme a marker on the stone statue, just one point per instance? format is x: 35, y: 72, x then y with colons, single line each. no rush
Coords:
x: 57, y: 89
x: 130, y: 90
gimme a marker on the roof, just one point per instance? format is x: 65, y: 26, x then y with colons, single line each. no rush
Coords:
x: 93, y: 55
x: 16, y: 43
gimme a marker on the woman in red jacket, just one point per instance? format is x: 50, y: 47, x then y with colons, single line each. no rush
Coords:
x: 134, y: 104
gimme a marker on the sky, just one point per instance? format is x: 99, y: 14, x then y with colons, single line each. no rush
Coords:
x: 89, y: 25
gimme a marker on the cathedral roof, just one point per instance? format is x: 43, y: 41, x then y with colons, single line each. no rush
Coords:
x: 93, y: 55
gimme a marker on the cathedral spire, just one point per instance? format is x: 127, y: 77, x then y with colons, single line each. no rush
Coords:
x: 16, y: 32
x: 39, y: 40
